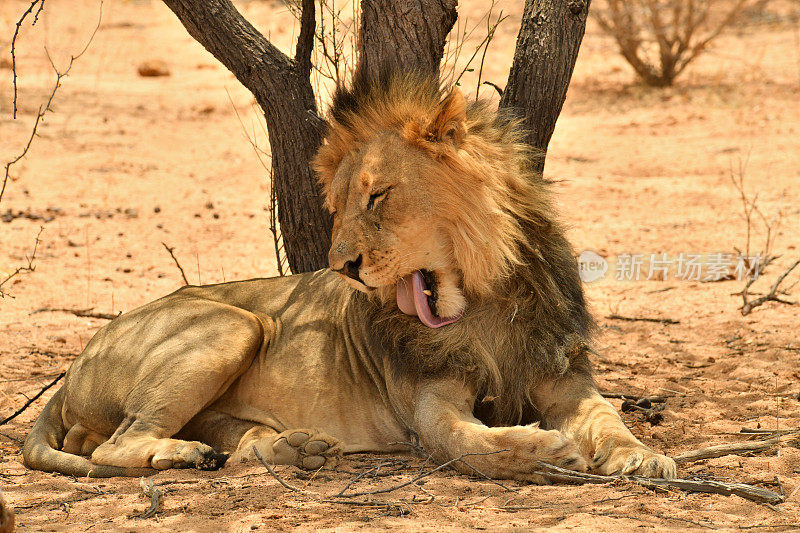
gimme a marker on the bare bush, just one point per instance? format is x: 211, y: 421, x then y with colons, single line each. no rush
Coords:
x: 659, y: 38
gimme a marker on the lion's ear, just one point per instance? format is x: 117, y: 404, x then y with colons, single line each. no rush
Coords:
x: 449, y: 124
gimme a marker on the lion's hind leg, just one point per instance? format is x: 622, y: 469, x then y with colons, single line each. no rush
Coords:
x: 185, y: 373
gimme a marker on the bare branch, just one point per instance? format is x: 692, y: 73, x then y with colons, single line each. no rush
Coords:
x: 771, y: 296
x: 13, y: 48
x: 83, y: 313
x: 60, y: 75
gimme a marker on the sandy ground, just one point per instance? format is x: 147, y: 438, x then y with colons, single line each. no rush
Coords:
x: 126, y: 163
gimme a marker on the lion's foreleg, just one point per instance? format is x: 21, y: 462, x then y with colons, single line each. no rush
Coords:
x: 573, y: 405
x: 446, y: 427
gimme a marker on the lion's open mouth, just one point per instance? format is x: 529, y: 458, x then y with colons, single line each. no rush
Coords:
x: 417, y: 295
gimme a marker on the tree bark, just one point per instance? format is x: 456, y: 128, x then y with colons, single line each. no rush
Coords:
x: 404, y: 34
x: 547, y: 47
x: 282, y: 87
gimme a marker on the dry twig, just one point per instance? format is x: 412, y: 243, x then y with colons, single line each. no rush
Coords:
x: 27, y: 12
x: 275, y: 474
x: 29, y: 267
x: 177, y: 264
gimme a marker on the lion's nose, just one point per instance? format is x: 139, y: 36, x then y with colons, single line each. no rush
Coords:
x: 350, y: 268
x: 343, y: 259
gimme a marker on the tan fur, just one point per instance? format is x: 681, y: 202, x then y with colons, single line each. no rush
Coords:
x: 305, y: 367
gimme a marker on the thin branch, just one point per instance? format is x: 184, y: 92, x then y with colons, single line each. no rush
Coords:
x: 175, y: 259
x: 60, y: 75
x: 416, y: 478
x: 155, y: 494
x: 275, y: 474
x: 13, y: 48
x: 30, y: 401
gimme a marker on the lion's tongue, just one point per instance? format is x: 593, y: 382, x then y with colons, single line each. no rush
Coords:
x: 412, y: 300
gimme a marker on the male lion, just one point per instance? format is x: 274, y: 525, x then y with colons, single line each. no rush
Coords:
x: 452, y: 315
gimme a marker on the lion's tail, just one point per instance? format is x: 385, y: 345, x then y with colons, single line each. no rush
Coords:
x: 41, y: 450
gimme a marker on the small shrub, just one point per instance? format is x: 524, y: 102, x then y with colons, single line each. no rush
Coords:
x: 659, y: 38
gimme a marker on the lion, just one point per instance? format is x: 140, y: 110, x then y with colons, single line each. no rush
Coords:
x: 452, y: 316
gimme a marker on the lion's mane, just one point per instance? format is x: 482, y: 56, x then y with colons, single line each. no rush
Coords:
x: 526, y: 316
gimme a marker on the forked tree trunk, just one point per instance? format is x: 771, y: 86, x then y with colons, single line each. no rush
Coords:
x: 410, y: 34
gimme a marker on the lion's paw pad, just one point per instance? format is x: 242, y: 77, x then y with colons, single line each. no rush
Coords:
x: 306, y: 449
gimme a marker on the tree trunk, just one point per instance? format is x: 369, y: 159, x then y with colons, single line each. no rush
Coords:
x: 547, y: 47
x: 404, y: 34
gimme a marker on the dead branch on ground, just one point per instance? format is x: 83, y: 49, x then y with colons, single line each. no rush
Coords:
x: 177, y: 264
x: 278, y: 478
x: 633, y: 397
x: 772, y: 296
x: 643, y: 319
x: 748, y: 492
x: 720, y: 450
x: 83, y: 313
x: 30, y: 401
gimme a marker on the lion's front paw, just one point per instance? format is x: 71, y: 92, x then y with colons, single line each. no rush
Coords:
x: 524, y: 448
x: 633, y: 458
x: 559, y: 450
x: 301, y: 447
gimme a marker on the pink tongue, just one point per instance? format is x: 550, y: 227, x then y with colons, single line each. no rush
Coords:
x: 413, y: 301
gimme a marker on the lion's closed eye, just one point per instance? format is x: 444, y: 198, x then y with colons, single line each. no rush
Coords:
x: 377, y: 196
